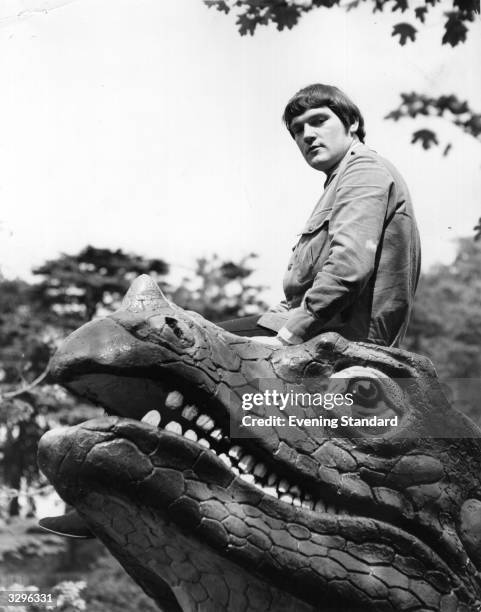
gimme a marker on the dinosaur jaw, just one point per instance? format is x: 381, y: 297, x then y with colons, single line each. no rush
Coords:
x: 180, y: 486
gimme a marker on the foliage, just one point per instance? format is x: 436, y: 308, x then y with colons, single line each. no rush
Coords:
x: 103, y: 587
x: 67, y: 595
x: 26, y: 336
x: 74, y: 287
x: 458, y: 112
x: 287, y: 13
x: 108, y: 589
x: 19, y: 542
x: 477, y: 229
x: 446, y: 322
x: 220, y: 290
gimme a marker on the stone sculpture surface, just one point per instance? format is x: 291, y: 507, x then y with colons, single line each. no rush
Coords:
x: 285, y: 518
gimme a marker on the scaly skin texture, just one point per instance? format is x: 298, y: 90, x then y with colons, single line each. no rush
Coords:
x: 326, y: 519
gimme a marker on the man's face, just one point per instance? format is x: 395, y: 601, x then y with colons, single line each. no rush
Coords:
x: 322, y: 137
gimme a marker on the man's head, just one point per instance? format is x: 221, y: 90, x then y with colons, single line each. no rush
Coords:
x: 324, y: 122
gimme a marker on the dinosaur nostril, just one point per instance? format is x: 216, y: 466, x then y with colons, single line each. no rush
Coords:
x: 180, y: 330
x: 172, y: 323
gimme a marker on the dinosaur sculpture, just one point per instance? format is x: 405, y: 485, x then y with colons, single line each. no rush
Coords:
x: 292, y: 518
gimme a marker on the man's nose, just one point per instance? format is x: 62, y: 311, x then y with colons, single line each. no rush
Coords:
x: 309, y: 133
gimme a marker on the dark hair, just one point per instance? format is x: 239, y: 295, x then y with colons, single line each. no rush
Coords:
x: 316, y: 95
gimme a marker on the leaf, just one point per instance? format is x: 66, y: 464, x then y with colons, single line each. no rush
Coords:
x: 455, y: 30
x: 452, y: 104
x: 404, y: 31
x: 427, y: 137
x: 247, y: 24
x: 473, y: 125
x: 285, y: 16
x: 379, y: 5
x: 220, y: 5
x: 352, y: 5
x: 467, y: 5
x: 420, y: 13
x: 477, y: 229
x: 395, y: 115
x: 402, y: 5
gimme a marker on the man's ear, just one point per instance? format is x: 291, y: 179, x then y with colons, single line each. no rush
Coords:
x: 354, y: 127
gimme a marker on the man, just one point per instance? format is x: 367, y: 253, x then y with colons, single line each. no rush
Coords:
x: 356, y: 265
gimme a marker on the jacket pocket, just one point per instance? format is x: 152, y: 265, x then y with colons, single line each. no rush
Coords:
x: 312, y: 246
x: 317, y: 220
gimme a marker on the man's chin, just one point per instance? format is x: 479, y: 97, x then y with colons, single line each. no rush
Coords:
x: 319, y: 162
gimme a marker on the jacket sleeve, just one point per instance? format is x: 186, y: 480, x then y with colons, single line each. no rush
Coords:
x: 355, y: 230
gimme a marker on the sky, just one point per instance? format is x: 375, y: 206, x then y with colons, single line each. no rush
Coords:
x: 154, y: 127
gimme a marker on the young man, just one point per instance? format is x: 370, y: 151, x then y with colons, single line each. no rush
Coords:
x: 356, y: 265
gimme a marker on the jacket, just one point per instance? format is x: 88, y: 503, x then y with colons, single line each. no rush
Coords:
x: 356, y: 265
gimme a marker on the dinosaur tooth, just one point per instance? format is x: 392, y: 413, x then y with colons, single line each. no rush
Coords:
x: 152, y: 418
x: 247, y: 478
x: 271, y: 480
x: 295, y: 491
x: 308, y: 503
x: 320, y: 506
x: 225, y: 459
x: 205, y: 422
x: 272, y: 491
x: 296, y: 501
x: 190, y: 435
x: 204, y: 443
x: 260, y: 470
x: 235, y: 452
x: 247, y: 463
x: 283, y: 486
x: 190, y: 412
x: 216, y: 434
x: 174, y: 400
x: 174, y: 427
x: 286, y: 498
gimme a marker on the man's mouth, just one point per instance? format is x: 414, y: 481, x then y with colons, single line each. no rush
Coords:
x: 315, y: 148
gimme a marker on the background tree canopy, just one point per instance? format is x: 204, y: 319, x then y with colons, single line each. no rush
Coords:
x: 287, y: 13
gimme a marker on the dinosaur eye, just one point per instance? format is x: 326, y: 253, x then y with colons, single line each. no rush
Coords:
x: 364, y: 392
x: 374, y: 396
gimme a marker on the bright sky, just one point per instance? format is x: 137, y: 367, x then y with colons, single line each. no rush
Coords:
x: 152, y: 126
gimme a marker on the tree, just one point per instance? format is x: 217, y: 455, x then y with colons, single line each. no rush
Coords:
x: 446, y: 323
x: 448, y: 107
x: 74, y: 287
x: 220, y: 290
x: 287, y: 13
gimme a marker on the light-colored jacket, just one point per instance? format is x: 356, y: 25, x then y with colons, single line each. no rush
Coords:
x: 356, y: 265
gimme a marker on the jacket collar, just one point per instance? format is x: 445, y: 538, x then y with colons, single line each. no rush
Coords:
x: 342, y: 162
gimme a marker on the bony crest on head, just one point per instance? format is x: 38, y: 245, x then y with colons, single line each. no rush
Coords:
x: 145, y: 294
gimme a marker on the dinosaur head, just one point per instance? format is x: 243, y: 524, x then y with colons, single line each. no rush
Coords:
x: 267, y: 508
